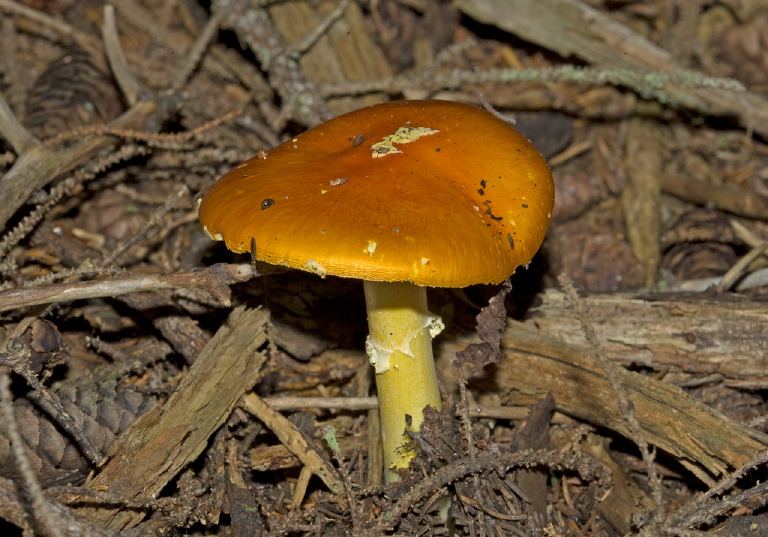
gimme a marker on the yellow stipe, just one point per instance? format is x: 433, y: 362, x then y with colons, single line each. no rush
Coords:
x: 400, y: 346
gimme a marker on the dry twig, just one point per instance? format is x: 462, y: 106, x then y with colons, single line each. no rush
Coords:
x: 625, y: 404
x: 215, y: 280
x: 119, y: 65
x: 584, y: 465
x: 301, y: 97
x: 309, y: 454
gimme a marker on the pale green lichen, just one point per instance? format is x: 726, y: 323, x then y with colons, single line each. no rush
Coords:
x: 403, y: 135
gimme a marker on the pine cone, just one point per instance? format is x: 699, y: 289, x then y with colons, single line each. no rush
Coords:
x: 71, y: 92
x: 103, y: 411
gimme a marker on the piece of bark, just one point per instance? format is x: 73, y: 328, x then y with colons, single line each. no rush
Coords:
x: 743, y: 526
x: 728, y: 197
x: 255, y: 28
x: 240, y: 502
x: 243, y: 509
x: 699, y: 437
x: 347, y: 51
x: 693, y: 334
x: 626, y: 497
x: 177, y: 327
x: 298, y: 344
x: 570, y: 28
x: 162, y: 442
x: 534, y: 435
x: 573, y: 28
x: 490, y: 327
x: 641, y: 198
x: 13, y: 509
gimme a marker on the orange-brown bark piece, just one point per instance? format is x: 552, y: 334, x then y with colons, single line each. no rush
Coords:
x: 159, y: 444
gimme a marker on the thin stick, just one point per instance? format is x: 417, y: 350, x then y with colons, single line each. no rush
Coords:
x: 687, y: 514
x: 580, y: 463
x: 62, y: 28
x: 319, y: 31
x: 738, y: 269
x: 355, y: 508
x: 254, y: 28
x: 464, y: 414
x: 309, y: 454
x: 339, y: 403
x: 152, y: 139
x: 12, y: 130
x: 128, y: 83
x: 214, y: 279
x: 36, y: 168
x: 626, y: 408
x: 647, y: 83
x: 154, y: 220
x: 211, y: 28
x: 476, y: 410
x: 57, y: 192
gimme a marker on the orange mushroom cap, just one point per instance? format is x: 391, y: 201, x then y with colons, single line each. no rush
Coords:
x: 435, y: 193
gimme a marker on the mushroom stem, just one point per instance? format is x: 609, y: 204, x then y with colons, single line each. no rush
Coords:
x: 400, y: 348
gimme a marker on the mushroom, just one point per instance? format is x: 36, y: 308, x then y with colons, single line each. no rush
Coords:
x: 401, y: 195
